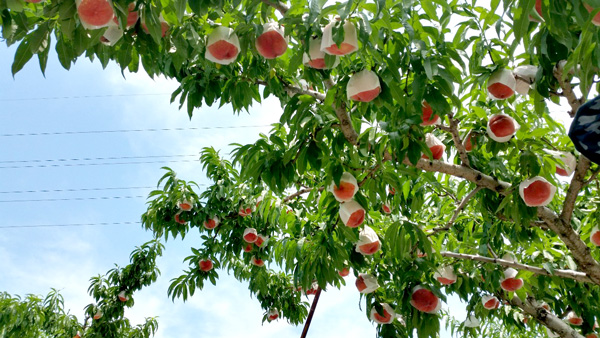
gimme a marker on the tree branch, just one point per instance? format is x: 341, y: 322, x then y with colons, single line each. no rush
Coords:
x: 291, y: 89
x: 460, y: 207
x: 567, y: 89
x: 462, y: 152
x: 544, y: 317
x: 277, y: 5
x: 571, y: 274
x: 299, y: 193
x: 345, y: 122
x: 577, y: 183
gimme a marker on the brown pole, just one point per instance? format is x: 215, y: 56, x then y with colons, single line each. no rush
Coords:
x: 310, y: 313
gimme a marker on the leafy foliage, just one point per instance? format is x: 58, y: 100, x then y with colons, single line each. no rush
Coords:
x: 467, y: 203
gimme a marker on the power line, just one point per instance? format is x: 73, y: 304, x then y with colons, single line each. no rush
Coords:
x: 73, y: 199
x: 79, y: 189
x: 70, y: 190
x: 90, y: 164
x: 63, y: 225
x: 97, y: 158
x: 80, y: 97
x: 129, y: 130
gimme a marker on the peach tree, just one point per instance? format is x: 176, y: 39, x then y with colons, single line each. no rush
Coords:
x: 415, y: 149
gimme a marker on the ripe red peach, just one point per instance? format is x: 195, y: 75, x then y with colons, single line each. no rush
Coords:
x: 363, y: 86
x: 347, y: 189
x: 349, y: 45
x: 272, y: 42
x: 222, y: 46
x: 424, y: 300
x: 536, y: 191
x: 502, y: 127
x: 501, y: 84
x: 95, y: 13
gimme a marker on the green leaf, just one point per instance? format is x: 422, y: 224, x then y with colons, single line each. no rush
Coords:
x: 22, y: 55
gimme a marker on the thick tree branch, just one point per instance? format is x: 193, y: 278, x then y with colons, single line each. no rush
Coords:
x: 277, y: 5
x: 544, y: 317
x: 577, y: 183
x: 571, y: 274
x: 311, y: 313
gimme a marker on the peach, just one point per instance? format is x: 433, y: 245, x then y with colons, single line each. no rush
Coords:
x: 344, y: 272
x: 347, y: 189
x: 94, y: 13
x: 388, y: 315
x: 366, y: 283
x: 574, y: 319
x: 250, y: 235
x: 427, y: 116
x: 538, y: 9
x: 524, y: 77
x: 185, y: 205
x: 98, y: 315
x: 313, y: 289
x: 569, y: 162
x: 510, y: 283
x: 164, y: 27
x: 211, y: 223
x: 261, y: 240
x: 472, y: 321
x: 77, y: 335
x: 368, y: 241
x: 501, y: 84
x: 244, y: 211
x: 596, y: 18
x: 536, y: 191
x: 248, y: 247
x: 257, y: 261
x: 446, y: 275
x: 132, y: 16
x: 273, y: 314
x: 595, y: 236
x: 436, y: 146
x: 386, y: 208
x: 315, y: 57
x: 392, y: 190
x: 468, y: 142
x: 363, y: 86
x: 352, y: 214
x: 179, y: 219
x: 591, y: 335
x: 490, y: 302
x: 349, y: 45
x: 111, y: 35
x: 272, y: 42
x: 501, y: 127
x: 424, y: 300
x: 222, y: 46
x: 205, y: 265
x: 122, y: 296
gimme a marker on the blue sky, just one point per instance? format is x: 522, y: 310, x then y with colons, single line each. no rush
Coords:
x: 37, y: 259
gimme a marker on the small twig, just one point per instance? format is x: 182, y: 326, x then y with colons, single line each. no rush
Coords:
x: 593, y: 177
x: 492, y: 252
x: 299, y: 193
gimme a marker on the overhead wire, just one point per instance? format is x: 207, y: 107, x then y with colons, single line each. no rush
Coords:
x: 73, y: 199
x: 130, y: 130
x: 6, y: 99
x: 63, y: 225
x: 97, y: 158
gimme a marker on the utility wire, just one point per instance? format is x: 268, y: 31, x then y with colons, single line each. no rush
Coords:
x: 90, y: 164
x: 97, y: 158
x: 79, y: 189
x: 80, y: 97
x: 73, y: 199
x: 130, y: 130
x: 63, y: 225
